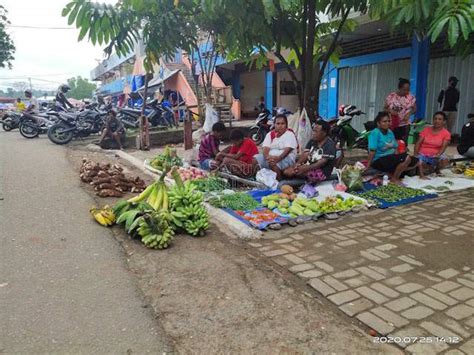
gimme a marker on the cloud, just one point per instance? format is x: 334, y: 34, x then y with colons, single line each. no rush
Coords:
x: 48, y: 56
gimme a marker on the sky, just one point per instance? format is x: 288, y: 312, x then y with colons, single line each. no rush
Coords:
x: 48, y: 56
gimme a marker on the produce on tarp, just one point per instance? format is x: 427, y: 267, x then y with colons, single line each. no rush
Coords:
x: 109, y: 180
x: 210, y: 184
x: 191, y: 173
x: 351, y: 176
x: 391, y: 193
x: 188, y: 211
x: 239, y: 201
x: 259, y: 216
x: 168, y: 158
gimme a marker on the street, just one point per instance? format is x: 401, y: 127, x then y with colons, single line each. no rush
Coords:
x: 64, y: 283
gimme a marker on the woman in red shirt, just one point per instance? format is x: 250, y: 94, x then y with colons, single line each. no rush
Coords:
x: 238, y: 158
x: 431, y: 145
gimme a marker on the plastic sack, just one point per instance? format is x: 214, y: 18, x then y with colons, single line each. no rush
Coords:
x: 268, y: 178
x: 293, y: 121
x: 351, y: 176
x: 305, y: 130
x: 211, y: 118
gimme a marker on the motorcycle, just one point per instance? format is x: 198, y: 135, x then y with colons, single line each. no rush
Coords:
x: 158, y: 114
x: 71, y: 125
x: 32, y: 125
x: 344, y: 134
x: 11, y: 120
x: 264, y: 123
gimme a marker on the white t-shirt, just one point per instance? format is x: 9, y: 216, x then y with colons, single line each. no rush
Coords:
x: 34, y: 102
x: 278, y: 144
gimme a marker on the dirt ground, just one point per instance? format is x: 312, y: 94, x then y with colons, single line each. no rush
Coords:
x: 216, y: 294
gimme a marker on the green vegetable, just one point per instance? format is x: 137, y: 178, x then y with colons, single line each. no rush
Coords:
x: 238, y: 201
x: 391, y: 193
x: 166, y: 160
x: 212, y: 183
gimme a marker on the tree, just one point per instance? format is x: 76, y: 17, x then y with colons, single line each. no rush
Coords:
x: 7, y: 48
x: 80, y: 88
x: 431, y: 18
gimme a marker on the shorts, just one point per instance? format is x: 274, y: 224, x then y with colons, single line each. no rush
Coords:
x: 431, y: 160
x: 390, y: 162
x: 207, y: 164
x: 282, y: 165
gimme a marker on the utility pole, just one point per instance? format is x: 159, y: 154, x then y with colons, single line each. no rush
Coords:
x: 31, y: 86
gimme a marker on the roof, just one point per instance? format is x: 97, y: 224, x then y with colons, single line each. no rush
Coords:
x: 157, y: 81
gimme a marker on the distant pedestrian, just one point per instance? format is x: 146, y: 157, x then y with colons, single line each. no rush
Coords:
x: 197, y: 71
x: 400, y: 105
x: 448, y: 101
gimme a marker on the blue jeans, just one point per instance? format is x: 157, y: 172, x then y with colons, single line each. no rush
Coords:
x: 282, y: 165
x: 206, y: 164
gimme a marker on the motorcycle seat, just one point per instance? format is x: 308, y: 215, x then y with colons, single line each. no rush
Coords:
x: 70, y: 116
x: 331, y: 119
x: 131, y: 111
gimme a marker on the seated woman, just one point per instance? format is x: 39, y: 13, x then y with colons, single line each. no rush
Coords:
x: 279, y: 148
x: 209, y: 147
x: 432, y: 144
x: 317, y: 161
x: 466, y: 145
x: 238, y: 158
x: 383, y: 150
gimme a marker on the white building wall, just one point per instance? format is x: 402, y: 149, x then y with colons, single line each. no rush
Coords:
x: 290, y: 102
x: 252, y: 88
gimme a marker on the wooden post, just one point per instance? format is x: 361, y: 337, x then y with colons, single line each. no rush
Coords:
x: 144, y: 128
x: 188, y: 130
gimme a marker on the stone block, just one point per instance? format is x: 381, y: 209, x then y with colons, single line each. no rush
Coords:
x: 354, y: 307
x: 337, y: 285
x: 372, y: 294
x: 400, y: 304
x: 428, y: 301
x: 409, y: 287
x: 301, y: 267
x: 387, y: 291
x: 374, y: 322
x: 390, y: 317
x: 418, y: 312
x: 448, y: 273
x: 343, y: 297
x: 440, y: 296
x: 321, y: 287
x: 446, y: 286
x: 462, y: 294
x: 460, y: 311
x: 310, y: 274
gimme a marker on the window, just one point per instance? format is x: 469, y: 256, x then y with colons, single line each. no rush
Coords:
x: 287, y: 88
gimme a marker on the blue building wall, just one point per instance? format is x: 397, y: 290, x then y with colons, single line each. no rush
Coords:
x: 116, y: 86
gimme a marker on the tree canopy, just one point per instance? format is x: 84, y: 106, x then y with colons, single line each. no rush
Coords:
x: 7, y: 48
x: 80, y: 88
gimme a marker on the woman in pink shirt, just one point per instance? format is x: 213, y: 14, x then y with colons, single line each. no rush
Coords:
x: 431, y: 145
x: 401, y: 104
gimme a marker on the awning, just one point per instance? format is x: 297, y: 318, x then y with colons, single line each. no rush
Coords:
x: 157, y: 81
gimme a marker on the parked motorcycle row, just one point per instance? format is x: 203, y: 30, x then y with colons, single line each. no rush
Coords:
x: 62, y: 125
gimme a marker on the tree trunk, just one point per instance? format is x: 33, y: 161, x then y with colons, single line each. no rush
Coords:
x: 309, y: 89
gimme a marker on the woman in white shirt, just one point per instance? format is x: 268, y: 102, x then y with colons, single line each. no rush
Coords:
x: 279, y: 148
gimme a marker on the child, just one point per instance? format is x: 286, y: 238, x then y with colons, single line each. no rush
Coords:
x: 238, y: 158
x: 209, y: 147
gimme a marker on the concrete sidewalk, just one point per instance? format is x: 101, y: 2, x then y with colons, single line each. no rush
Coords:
x: 64, y: 283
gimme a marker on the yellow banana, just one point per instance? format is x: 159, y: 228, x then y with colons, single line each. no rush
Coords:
x: 100, y: 219
x: 144, y: 195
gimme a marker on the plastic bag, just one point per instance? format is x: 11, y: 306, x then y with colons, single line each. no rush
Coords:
x: 268, y: 178
x: 211, y: 118
x: 304, y: 130
x: 351, y: 176
x: 293, y: 121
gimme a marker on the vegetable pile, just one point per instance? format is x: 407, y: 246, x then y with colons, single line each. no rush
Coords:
x: 391, y: 193
x: 191, y: 173
x: 210, y: 184
x: 259, y: 216
x: 238, y: 201
x: 166, y: 159
x: 109, y: 180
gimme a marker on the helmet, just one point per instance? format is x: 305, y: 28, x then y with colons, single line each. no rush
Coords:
x: 28, y: 93
x: 64, y: 88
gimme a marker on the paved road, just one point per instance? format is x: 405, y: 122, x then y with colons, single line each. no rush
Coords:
x: 64, y: 283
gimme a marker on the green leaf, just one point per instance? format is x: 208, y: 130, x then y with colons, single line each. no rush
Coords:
x: 66, y: 9
x: 73, y: 14
x: 453, y: 31
x: 437, y: 28
x: 425, y: 8
x: 464, y: 26
x: 83, y: 33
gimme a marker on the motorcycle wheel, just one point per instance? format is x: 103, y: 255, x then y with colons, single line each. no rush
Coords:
x: 57, y: 136
x: 6, y: 126
x: 28, y: 131
x: 257, y: 135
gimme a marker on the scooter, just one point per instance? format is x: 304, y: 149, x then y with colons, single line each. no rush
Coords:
x: 265, y: 122
x: 32, y: 125
x: 11, y: 120
x: 158, y: 114
x: 343, y: 133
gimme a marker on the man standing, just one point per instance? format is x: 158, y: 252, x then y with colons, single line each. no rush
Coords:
x: 197, y: 71
x: 448, y: 100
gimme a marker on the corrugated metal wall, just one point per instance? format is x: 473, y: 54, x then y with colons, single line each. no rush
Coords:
x: 367, y: 86
x: 440, y: 69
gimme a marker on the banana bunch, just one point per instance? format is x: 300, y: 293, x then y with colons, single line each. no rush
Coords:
x: 187, y: 209
x: 469, y: 172
x: 155, y: 229
x: 104, y: 216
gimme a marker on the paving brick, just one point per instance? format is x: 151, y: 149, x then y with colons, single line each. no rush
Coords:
x: 372, y: 295
x: 290, y: 248
x: 409, y: 260
x: 400, y: 304
x: 369, y: 256
x: 379, y: 269
x: 438, y: 330
x: 453, y: 352
x: 255, y: 245
x: 468, y: 347
x: 428, y: 301
x: 324, y: 266
x: 321, y: 287
x: 266, y: 248
x: 358, y: 281
x: 448, y: 273
x: 387, y: 291
x: 343, y: 297
x: 310, y: 274
x: 347, y: 243
x: 375, y: 323
x: 466, y: 282
x: 301, y: 267
x: 314, y: 257
x: 395, y: 281
x: 409, y: 287
x: 390, y: 317
x: 429, y: 277
x: 470, y: 322
x: 378, y: 253
x: 275, y: 252
x: 284, y: 240
x: 402, y: 268
x: 386, y: 247
x: 470, y: 302
x: 305, y: 253
x: 297, y: 236
x: 460, y: 311
x: 345, y: 274
x: 408, y: 332
x: 354, y: 307
x: 371, y: 273
x: 426, y: 348
x: 446, y: 286
x: 294, y: 259
x: 331, y: 281
x: 418, y: 312
x: 462, y: 293
x: 455, y: 327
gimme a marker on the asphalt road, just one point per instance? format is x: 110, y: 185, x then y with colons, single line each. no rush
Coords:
x: 64, y: 283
